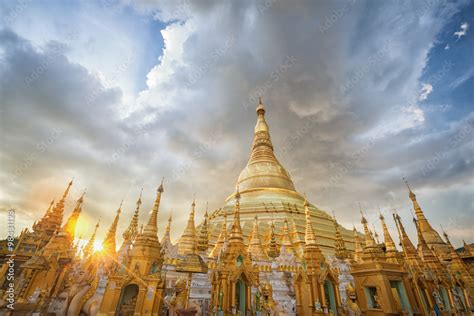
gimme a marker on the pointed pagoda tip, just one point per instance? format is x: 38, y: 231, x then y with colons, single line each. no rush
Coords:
x: 194, y: 200
x: 120, y: 207
x: 260, y: 107
x: 160, y: 188
x: 237, y: 194
x: 139, y: 201
x: 81, y: 198
x: 381, y: 217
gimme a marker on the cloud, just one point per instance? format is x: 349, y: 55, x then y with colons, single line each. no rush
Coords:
x: 463, y: 30
x: 426, y: 89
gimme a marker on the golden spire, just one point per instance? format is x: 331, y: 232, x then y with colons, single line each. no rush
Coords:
x: 431, y: 236
x: 424, y: 251
x: 147, y: 243
x: 457, y: 265
x: 151, y: 228
x: 70, y: 226
x: 132, y: 230
x: 89, y: 247
x: 369, y: 241
x: 339, y: 245
x: 221, y: 239
x: 273, y: 250
x: 40, y: 224
x: 167, y: 234
x: 235, y: 235
x: 51, y: 223
x: 187, y: 241
x: 408, y: 248
x: 358, y: 247
x: 109, y: 241
x: 310, y: 236
x: 295, y: 238
x: 203, y: 238
x: 263, y: 169
x: 286, y: 244
x: 375, y: 235
x: 255, y: 249
x: 312, y: 254
x: 390, y: 248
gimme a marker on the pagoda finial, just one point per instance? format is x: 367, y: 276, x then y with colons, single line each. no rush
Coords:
x: 168, y: 226
x: 236, y: 230
x: 255, y: 248
x: 89, y: 247
x: 310, y: 236
x: 151, y: 227
x: 67, y: 189
x: 286, y: 244
x: 339, y: 245
x: 273, y: 250
x: 109, y: 244
x: 391, y: 249
x: 187, y: 241
x: 358, y: 247
x: 131, y: 232
x: 369, y: 241
x: 260, y: 107
x: 408, y: 248
x: 203, y: 238
x: 70, y: 226
x: 221, y: 239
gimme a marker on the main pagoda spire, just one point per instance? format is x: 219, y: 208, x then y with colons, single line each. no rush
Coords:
x: 263, y: 169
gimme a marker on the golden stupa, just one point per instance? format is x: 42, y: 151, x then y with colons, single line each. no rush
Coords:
x: 267, y: 191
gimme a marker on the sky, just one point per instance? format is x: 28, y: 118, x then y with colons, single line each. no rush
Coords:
x: 118, y: 94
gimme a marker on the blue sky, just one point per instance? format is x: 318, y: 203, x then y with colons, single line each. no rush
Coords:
x: 359, y: 94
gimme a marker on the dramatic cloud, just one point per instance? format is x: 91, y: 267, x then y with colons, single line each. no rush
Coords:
x: 340, y: 81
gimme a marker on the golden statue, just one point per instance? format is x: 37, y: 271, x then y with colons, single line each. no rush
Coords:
x: 352, y: 306
x: 180, y: 296
x: 267, y: 303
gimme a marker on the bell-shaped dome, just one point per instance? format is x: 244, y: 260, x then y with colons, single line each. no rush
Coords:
x: 263, y: 170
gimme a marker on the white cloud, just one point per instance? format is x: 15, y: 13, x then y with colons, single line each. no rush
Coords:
x: 446, y: 47
x: 463, y: 30
x: 426, y: 89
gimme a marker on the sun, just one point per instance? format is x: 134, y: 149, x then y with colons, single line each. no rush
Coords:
x: 98, y: 246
